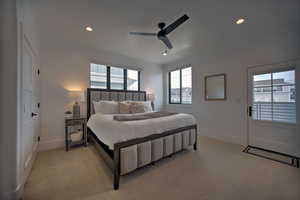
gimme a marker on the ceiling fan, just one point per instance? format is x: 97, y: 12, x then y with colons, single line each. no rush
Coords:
x: 164, y: 31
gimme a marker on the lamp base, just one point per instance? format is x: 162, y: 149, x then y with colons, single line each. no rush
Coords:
x: 152, y: 105
x: 76, y: 110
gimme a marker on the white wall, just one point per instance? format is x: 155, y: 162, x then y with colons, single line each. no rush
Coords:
x: 227, y: 120
x: 8, y: 98
x: 66, y: 67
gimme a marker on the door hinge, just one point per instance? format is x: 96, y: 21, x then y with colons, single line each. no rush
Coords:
x: 39, y: 138
x: 38, y: 71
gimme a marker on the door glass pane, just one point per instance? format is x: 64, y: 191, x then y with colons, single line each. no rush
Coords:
x: 262, y: 94
x: 262, y: 103
x: 285, y: 77
x: 175, y: 86
x: 116, y: 78
x: 186, y: 85
x: 262, y: 80
x: 284, y: 93
x: 274, y: 97
x: 132, y: 79
x: 284, y: 96
x: 262, y: 97
x: 98, y: 76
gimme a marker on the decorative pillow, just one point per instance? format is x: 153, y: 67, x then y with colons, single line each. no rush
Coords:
x: 124, y: 108
x: 106, y: 107
x: 137, y: 107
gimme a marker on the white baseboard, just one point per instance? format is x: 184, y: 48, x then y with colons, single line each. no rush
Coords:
x: 51, y: 144
x: 13, y: 195
x: 223, y: 136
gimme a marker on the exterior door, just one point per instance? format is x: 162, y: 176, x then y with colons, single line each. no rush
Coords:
x: 30, y: 105
x: 273, y: 120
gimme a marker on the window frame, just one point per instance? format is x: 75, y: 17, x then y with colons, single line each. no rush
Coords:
x: 180, y: 86
x: 108, y: 78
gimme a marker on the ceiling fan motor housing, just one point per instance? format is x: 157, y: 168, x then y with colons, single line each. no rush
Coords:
x: 161, y: 25
x: 161, y: 34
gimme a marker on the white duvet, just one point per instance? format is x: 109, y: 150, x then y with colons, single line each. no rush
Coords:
x: 110, y: 131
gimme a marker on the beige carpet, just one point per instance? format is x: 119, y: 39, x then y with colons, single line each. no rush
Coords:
x: 216, y: 171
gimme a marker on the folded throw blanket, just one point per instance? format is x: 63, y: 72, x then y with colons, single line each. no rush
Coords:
x: 145, y: 116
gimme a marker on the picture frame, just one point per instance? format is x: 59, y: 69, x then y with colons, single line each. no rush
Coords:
x: 215, y: 87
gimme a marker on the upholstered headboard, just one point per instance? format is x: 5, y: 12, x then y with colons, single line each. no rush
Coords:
x: 94, y: 94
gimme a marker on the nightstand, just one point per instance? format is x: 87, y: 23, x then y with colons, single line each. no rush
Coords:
x: 75, y: 126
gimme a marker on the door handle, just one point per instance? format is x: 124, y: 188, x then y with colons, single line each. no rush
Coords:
x: 250, y: 111
x: 34, y: 114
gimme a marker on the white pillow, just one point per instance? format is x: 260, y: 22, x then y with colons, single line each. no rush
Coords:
x: 106, y: 107
x: 148, y: 106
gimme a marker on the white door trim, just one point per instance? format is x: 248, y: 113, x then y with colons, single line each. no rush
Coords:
x: 284, y: 65
x: 26, y: 162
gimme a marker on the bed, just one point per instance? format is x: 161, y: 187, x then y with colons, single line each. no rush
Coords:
x: 128, y: 145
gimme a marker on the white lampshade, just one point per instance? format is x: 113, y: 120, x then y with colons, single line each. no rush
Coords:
x: 77, y: 96
x: 82, y: 97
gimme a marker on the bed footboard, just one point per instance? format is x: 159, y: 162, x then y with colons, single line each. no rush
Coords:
x: 139, y: 152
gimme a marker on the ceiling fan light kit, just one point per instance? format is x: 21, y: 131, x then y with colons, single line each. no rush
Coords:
x: 240, y: 21
x: 165, y: 53
x: 89, y: 29
x: 164, y: 31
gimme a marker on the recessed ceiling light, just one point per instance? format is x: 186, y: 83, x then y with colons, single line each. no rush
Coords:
x: 89, y: 29
x: 240, y: 21
x: 164, y: 53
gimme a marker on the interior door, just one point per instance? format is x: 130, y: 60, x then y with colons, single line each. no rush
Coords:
x: 30, y: 107
x: 273, y: 120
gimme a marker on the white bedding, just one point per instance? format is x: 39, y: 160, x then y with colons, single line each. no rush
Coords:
x: 110, y: 131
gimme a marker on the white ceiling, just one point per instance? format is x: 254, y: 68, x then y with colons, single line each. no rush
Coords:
x: 210, y: 30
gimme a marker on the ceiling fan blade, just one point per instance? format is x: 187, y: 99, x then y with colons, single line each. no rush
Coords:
x: 175, y: 24
x: 166, y: 41
x: 144, y: 34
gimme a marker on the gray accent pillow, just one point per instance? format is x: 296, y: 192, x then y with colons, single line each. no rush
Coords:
x: 124, y: 108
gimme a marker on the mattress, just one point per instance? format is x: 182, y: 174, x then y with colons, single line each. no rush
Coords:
x: 110, y: 131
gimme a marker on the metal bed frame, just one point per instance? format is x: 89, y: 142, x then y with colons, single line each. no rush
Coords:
x: 112, y: 158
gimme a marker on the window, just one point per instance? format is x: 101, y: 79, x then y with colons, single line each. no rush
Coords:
x: 98, y: 76
x: 180, y: 86
x: 186, y: 85
x: 117, y: 78
x: 175, y: 87
x: 274, y: 96
x: 132, y: 80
